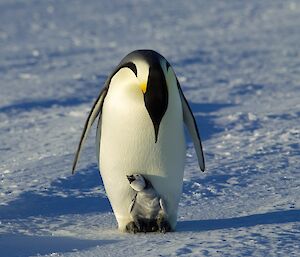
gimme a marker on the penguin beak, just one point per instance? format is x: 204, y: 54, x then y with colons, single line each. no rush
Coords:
x: 130, y: 178
x: 156, y: 96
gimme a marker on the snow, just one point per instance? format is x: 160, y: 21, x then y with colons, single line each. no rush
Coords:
x: 239, y: 67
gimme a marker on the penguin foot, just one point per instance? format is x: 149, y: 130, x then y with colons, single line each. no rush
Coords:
x: 148, y: 225
x: 163, y: 226
x: 142, y: 225
x: 131, y: 227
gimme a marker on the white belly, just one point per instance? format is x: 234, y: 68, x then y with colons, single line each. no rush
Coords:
x: 128, y: 146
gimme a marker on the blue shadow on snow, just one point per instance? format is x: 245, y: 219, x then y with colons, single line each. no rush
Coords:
x: 75, y: 194
x: 86, y: 92
x: 23, y: 245
x: 277, y: 217
x: 41, y: 104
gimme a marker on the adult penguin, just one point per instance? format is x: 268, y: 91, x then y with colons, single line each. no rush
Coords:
x: 142, y: 111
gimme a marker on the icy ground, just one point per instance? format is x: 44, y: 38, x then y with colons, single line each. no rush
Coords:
x: 239, y: 66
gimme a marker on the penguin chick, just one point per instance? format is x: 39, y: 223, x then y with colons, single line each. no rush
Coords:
x: 147, y: 209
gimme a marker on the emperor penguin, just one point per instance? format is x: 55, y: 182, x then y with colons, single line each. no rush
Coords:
x: 142, y: 111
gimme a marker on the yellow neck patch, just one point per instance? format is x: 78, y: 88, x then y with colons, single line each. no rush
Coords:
x: 143, y: 87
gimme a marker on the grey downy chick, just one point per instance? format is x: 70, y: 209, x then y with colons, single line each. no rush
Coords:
x: 147, y: 209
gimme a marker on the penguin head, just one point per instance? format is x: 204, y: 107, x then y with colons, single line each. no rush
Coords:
x: 141, y: 76
x: 137, y: 182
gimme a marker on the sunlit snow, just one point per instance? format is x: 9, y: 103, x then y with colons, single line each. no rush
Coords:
x: 239, y: 66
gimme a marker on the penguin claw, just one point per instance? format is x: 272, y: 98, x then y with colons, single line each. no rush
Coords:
x: 131, y: 227
x: 164, y: 227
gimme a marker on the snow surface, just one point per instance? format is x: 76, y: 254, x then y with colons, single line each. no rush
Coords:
x: 239, y: 66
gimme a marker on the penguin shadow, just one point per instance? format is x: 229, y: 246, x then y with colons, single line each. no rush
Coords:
x: 78, y: 194
x: 205, y: 114
x: 276, y: 217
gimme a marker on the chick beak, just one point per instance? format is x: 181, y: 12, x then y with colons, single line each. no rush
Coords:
x: 130, y: 178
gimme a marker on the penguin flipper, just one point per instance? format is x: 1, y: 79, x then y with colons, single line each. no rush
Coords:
x: 191, y: 124
x: 95, y: 111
